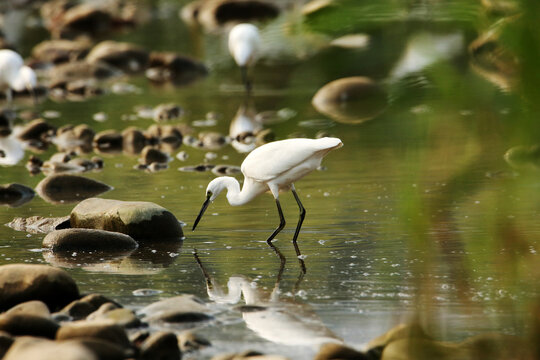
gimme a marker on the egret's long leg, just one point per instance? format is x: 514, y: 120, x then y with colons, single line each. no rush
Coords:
x: 281, y: 223
x: 245, y: 79
x: 301, y: 218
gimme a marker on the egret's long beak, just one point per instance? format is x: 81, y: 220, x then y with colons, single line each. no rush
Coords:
x: 203, y: 209
x: 34, y: 94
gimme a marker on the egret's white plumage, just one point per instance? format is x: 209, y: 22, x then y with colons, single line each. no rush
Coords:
x: 14, y: 74
x: 273, y: 167
x: 244, y: 44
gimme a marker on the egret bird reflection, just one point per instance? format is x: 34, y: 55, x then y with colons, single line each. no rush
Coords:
x: 273, y: 167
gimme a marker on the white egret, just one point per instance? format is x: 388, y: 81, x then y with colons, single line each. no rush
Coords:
x: 14, y: 75
x: 244, y: 44
x: 273, y: 167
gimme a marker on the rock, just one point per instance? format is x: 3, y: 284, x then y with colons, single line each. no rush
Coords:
x: 168, y: 137
x: 108, y: 141
x: 36, y: 348
x: 74, y: 138
x: 183, y: 308
x: 151, y: 155
x: 165, y: 112
x: 85, y: 164
x: 6, y: 121
x: 32, y: 307
x: 35, y: 130
x: 85, y: 18
x: 6, y: 341
x: 216, y: 13
x: 249, y: 355
x: 401, y: 331
x: 523, y: 157
x: 221, y: 170
x: 88, y: 240
x: 77, y: 310
x: 65, y: 188
x: 121, y: 317
x: 20, y: 283
x: 178, y: 69
x: 125, y: 56
x: 101, y: 311
x: 190, y: 12
x: 95, y: 330
x: 161, y: 345
x: 133, y: 140
x: 98, y: 300
x: 351, y: 100
x: 60, y: 51
x: 140, y: 220
x: 331, y: 351
x: 49, y: 168
x: 211, y: 140
x: 29, y: 325
x: 15, y: 195
x: 105, y: 349
x: 190, y: 341
x: 39, y: 225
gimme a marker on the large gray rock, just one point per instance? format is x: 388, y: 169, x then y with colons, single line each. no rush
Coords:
x: 38, y: 224
x: 140, y: 220
x: 95, y: 330
x: 20, y: 283
x: 65, y: 188
x: 88, y: 240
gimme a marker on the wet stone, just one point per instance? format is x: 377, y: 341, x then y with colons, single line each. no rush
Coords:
x: 74, y: 138
x: 96, y: 330
x: 81, y: 19
x: 125, y: 56
x: 211, y: 140
x: 60, y: 51
x: 69, y: 188
x: 133, y: 140
x: 37, y: 348
x: 88, y: 240
x: 6, y: 341
x: 190, y: 341
x: 122, y: 317
x: 214, y: 14
x: 15, y: 195
x: 28, y: 325
x: 35, y: 130
x: 140, y: 220
x: 108, y: 141
x: 151, y: 155
x: 183, y: 308
x: 330, y: 351
x: 39, y: 224
x: 160, y: 345
x: 175, y: 68
x: 157, y: 166
x: 51, y: 285
x: 32, y: 307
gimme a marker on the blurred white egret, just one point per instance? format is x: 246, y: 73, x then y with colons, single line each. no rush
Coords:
x: 14, y: 75
x: 274, y: 166
x: 244, y: 44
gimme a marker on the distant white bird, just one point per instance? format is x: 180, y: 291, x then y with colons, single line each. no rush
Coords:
x: 14, y: 75
x: 244, y: 44
x: 273, y: 167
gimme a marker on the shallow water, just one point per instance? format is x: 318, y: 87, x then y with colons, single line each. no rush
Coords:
x: 418, y: 214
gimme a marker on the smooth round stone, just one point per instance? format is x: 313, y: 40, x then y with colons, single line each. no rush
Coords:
x: 66, y: 188
x: 133, y: 140
x: 108, y: 142
x: 140, y: 220
x: 29, y: 325
x: 21, y: 282
x: 125, y: 56
x: 351, y: 100
x: 33, y: 307
x: 216, y: 13
x: 37, y: 348
x: 88, y: 240
x: 182, y: 308
x: 331, y: 351
x: 60, y: 50
x: 161, y: 345
x: 151, y: 155
x: 190, y: 341
x: 122, y: 317
x: 93, y: 329
x: 35, y: 130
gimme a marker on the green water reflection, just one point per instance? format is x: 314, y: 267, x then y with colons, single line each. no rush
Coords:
x: 418, y: 214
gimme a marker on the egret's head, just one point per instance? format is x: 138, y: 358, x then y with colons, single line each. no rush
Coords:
x: 214, y: 188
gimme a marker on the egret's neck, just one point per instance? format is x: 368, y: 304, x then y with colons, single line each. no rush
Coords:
x: 235, y: 196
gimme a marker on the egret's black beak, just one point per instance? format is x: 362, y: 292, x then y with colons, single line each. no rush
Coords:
x: 35, y: 98
x: 203, y: 209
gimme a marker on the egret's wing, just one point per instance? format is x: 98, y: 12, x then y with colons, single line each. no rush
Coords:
x: 271, y: 160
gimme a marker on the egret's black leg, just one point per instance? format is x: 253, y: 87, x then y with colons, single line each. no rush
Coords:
x: 281, y: 223
x: 245, y: 79
x: 207, y: 276
x: 301, y: 218
x: 298, y: 226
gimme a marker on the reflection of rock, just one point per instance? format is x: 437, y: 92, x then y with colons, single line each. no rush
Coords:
x: 60, y: 51
x: 175, y: 68
x: 108, y: 142
x: 350, y: 100
x: 141, y: 220
x: 425, y: 49
x: 78, y: 138
x: 15, y: 195
x: 88, y: 240
x: 67, y: 188
x: 243, y: 129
